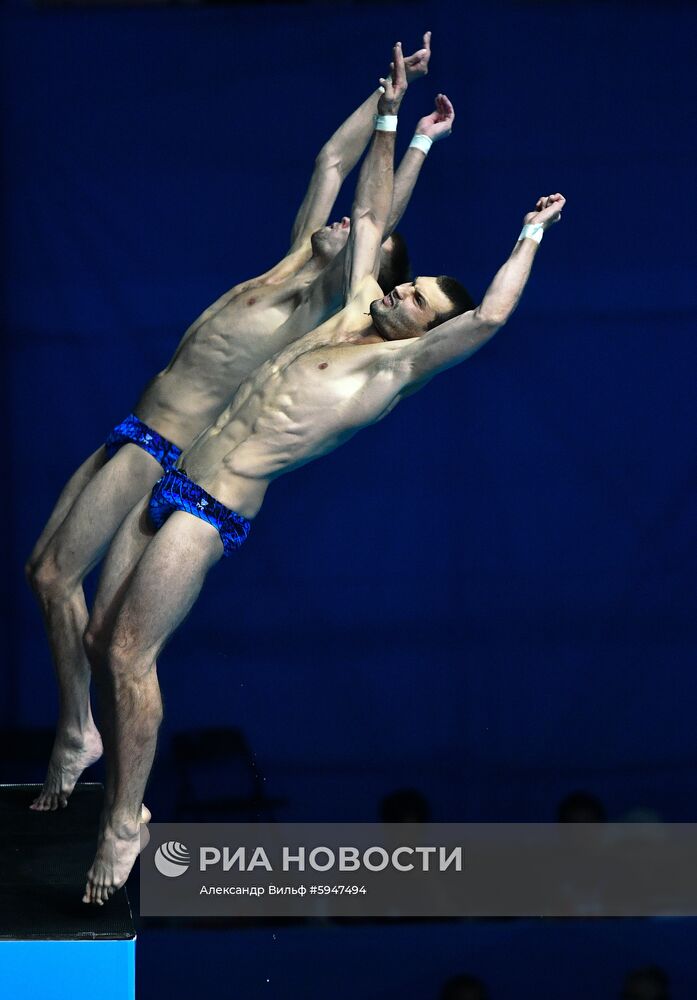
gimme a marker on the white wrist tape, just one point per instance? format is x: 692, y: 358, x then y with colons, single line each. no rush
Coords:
x: 422, y: 142
x: 385, y: 123
x: 532, y: 231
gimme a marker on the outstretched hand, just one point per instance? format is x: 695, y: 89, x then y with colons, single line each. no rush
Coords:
x: 547, y: 211
x: 439, y: 123
x: 416, y: 65
x: 395, y: 85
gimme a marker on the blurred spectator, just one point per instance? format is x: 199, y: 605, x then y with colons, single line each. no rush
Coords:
x: 641, y: 814
x: 406, y: 805
x: 649, y: 983
x: 464, y: 988
x: 581, y: 807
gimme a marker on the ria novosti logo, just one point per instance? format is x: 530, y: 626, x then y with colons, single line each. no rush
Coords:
x: 172, y: 859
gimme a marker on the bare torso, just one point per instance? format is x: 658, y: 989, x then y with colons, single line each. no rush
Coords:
x: 219, y: 350
x: 301, y: 404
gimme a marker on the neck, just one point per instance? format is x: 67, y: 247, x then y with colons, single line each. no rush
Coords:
x: 313, y: 267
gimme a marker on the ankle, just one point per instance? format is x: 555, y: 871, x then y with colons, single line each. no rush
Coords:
x: 74, y: 734
x: 122, y: 826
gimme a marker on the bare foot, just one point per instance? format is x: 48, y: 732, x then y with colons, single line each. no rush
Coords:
x: 145, y: 814
x: 113, y: 862
x: 69, y: 758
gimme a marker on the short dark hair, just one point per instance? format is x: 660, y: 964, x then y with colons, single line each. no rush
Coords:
x: 461, y: 299
x: 405, y: 805
x: 395, y: 266
x: 463, y: 986
x: 583, y: 804
x: 651, y: 975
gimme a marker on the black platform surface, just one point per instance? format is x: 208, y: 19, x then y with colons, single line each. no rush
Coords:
x: 44, y: 857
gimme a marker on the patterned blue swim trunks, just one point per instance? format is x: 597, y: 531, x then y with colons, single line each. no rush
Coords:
x: 135, y: 431
x: 175, y: 491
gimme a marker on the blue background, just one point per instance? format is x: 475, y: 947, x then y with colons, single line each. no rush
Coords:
x: 490, y: 595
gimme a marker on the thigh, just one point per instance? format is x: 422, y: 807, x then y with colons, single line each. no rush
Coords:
x: 121, y: 560
x: 94, y: 518
x: 68, y: 496
x: 165, y: 585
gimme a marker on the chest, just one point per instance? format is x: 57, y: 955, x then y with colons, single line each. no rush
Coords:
x: 330, y: 386
x: 250, y: 317
x: 243, y: 340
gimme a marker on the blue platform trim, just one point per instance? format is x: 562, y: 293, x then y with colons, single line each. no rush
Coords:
x: 175, y: 491
x: 68, y: 970
x: 135, y: 431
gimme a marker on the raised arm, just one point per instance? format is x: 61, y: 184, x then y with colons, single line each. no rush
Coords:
x: 373, y: 198
x: 437, y: 125
x: 457, y: 338
x: 342, y: 151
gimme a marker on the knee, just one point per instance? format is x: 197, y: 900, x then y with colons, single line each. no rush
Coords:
x: 44, y: 577
x: 31, y: 566
x: 121, y: 653
x: 125, y: 659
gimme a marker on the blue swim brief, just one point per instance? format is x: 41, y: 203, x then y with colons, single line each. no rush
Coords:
x: 135, y: 431
x: 175, y: 491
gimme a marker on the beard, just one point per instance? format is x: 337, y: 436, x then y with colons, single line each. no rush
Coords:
x: 376, y: 312
x: 318, y: 244
x: 379, y: 313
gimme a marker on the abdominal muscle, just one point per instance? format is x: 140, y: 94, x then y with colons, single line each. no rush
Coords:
x: 285, y: 418
x: 214, y: 357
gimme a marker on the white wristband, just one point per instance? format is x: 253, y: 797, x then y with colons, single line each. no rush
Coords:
x: 533, y: 231
x: 422, y: 142
x: 385, y: 123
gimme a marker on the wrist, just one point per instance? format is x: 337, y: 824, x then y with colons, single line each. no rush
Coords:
x: 421, y: 141
x: 532, y: 231
x: 385, y: 123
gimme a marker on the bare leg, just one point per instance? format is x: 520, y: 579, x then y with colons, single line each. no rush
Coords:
x: 119, y: 566
x: 75, y: 547
x: 75, y: 485
x: 165, y: 585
